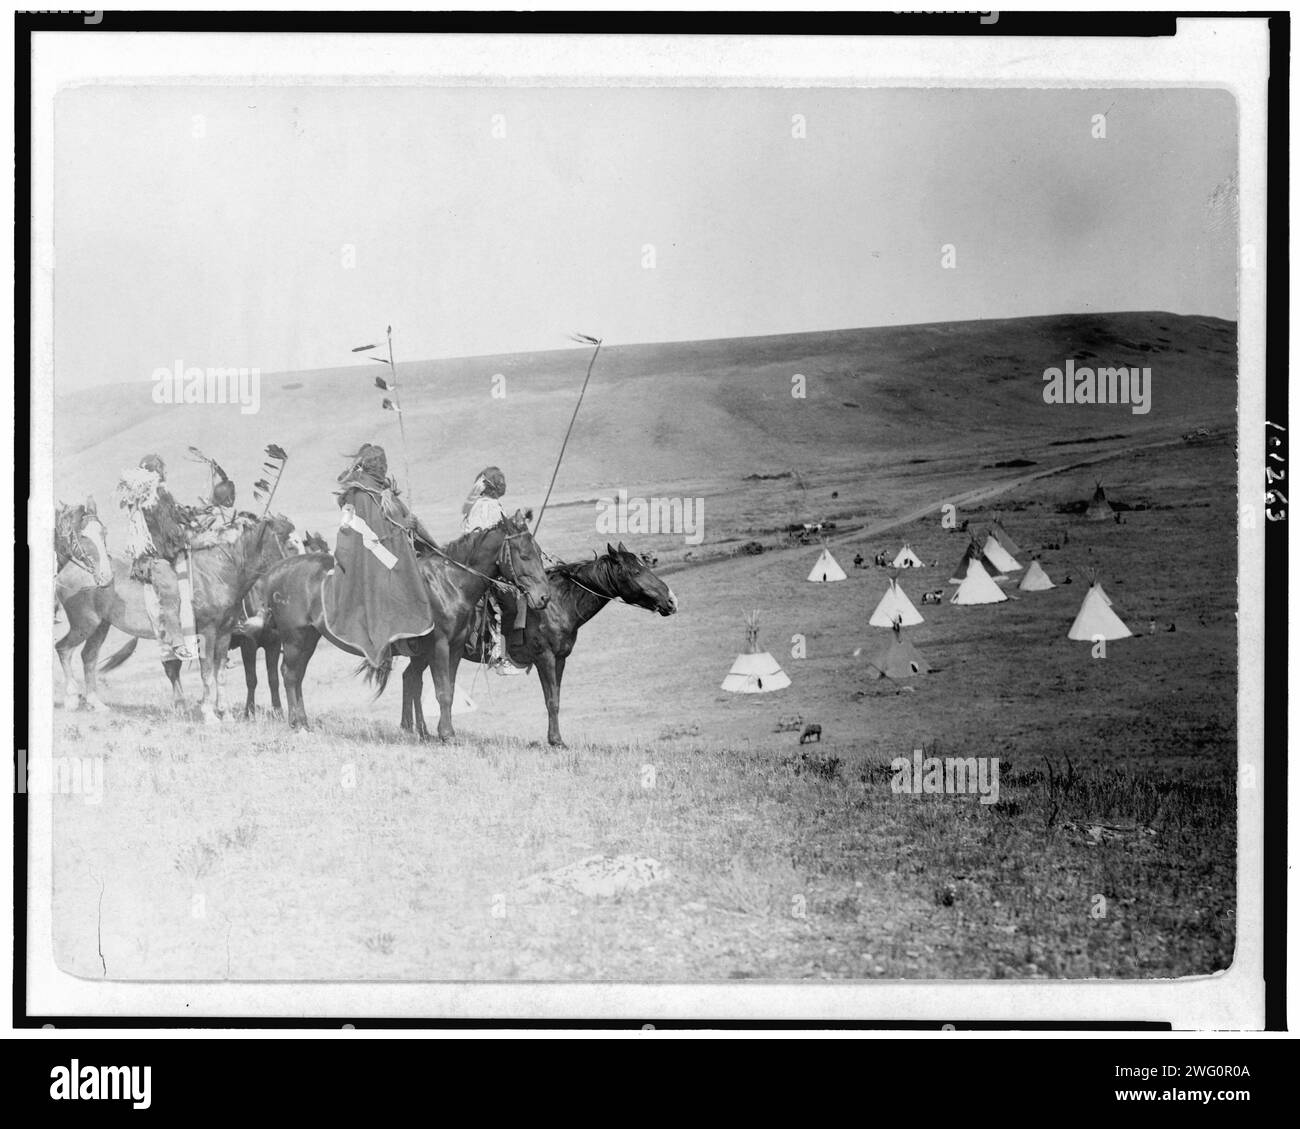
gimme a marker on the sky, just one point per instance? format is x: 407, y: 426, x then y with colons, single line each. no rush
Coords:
x: 277, y: 227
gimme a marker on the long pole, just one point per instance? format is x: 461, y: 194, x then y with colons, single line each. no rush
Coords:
x: 573, y: 419
x: 276, y: 486
x: 401, y: 423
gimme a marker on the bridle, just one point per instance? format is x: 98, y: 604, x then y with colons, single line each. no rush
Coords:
x: 77, y: 552
x: 617, y: 598
x: 505, y: 560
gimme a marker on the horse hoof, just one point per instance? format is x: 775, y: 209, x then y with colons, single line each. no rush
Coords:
x: 211, y: 719
x: 558, y: 745
x: 96, y: 705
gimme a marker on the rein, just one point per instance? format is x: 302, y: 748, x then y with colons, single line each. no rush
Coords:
x: 616, y: 598
x: 503, y: 556
x: 76, y: 551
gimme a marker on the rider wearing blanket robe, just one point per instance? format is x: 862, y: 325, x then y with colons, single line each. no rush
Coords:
x: 376, y: 593
x: 482, y: 509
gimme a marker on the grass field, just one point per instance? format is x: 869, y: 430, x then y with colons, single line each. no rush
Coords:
x: 245, y: 851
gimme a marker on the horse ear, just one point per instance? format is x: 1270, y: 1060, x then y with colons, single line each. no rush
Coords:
x: 623, y: 549
x: 610, y: 549
x: 90, y: 505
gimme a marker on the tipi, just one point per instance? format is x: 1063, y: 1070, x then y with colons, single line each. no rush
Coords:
x: 827, y: 568
x: 977, y: 587
x: 1097, y: 618
x: 898, y: 658
x: 907, y: 559
x: 1099, y: 509
x: 1035, y: 579
x: 973, y: 553
x: 1004, y: 538
x: 1002, y: 560
x: 754, y: 671
x: 895, y: 606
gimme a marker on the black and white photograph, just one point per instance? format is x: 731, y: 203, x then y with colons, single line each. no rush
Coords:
x: 575, y: 532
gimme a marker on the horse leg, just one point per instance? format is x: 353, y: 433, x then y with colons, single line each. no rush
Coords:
x: 209, y: 663
x: 173, y: 669
x: 248, y: 652
x: 89, y: 662
x: 412, y: 693
x: 64, y: 647
x: 443, y: 673
x: 299, y: 646
x: 272, y: 650
x: 546, y: 671
x: 219, y: 641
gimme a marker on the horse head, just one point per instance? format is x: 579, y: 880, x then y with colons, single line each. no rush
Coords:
x: 79, y: 537
x: 314, y: 542
x: 520, y: 562
x: 630, y: 577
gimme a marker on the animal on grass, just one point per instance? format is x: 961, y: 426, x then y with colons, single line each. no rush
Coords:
x: 811, y: 732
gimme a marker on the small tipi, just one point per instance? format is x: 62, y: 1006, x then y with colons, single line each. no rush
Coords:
x: 1099, y: 509
x: 973, y: 553
x: 898, y: 658
x: 977, y: 587
x: 907, y: 559
x: 827, y: 568
x: 1002, y: 560
x: 895, y: 606
x: 1097, y: 618
x: 1004, y: 538
x: 754, y: 671
x: 1035, y: 579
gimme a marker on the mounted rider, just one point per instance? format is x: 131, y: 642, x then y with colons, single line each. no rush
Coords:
x: 158, y: 537
x: 376, y: 593
x: 482, y: 509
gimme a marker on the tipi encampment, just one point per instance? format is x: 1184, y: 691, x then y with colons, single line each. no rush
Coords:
x: 1035, y: 579
x: 754, y: 671
x: 827, y: 568
x: 898, y: 658
x: 1002, y: 560
x: 1096, y: 619
x: 907, y: 559
x: 978, y: 587
x: 973, y: 553
x: 1099, y: 509
x: 894, y: 605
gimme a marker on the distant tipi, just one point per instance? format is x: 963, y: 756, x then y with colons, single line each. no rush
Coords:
x: 1002, y: 560
x: 898, y: 658
x: 907, y: 559
x: 1099, y: 509
x: 754, y: 671
x: 973, y: 553
x: 894, y: 605
x: 1096, y: 618
x: 1035, y: 579
x: 1004, y: 538
x: 827, y: 568
x: 977, y: 587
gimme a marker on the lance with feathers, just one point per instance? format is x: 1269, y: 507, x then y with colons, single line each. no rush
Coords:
x: 389, y: 384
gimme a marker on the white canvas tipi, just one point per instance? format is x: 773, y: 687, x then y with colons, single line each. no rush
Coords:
x: 827, y: 568
x: 1035, y: 579
x: 908, y: 559
x: 894, y: 605
x: 1096, y: 619
x: 977, y: 587
x: 754, y: 671
x: 1002, y: 560
x: 973, y: 553
x: 1004, y: 538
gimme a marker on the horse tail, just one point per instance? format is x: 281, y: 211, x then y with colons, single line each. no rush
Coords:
x: 376, y: 676
x: 118, y: 658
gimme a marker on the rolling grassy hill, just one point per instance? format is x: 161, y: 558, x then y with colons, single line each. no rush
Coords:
x: 683, y: 417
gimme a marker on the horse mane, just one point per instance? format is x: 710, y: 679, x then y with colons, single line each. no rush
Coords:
x: 464, y: 545
x: 67, y: 522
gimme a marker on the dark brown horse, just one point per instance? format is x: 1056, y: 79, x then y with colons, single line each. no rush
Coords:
x: 457, y: 575
x: 578, y: 592
x: 249, y: 636
x: 222, y: 576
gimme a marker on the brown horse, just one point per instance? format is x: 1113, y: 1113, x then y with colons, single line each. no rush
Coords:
x: 578, y: 592
x: 221, y: 575
x: 457, y: 575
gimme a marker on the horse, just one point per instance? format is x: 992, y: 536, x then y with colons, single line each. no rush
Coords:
x: 221, y: 574
x: 80, y: 551
x: 457, y: 575
x: 248, y: 636
x: 578, y: 592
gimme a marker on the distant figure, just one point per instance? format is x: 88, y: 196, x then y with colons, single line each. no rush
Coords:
x: 859, y: 561
x: 809, y: 733
x: 835, y: 493
x: 1171, y: 627
x: 1151, y: 630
